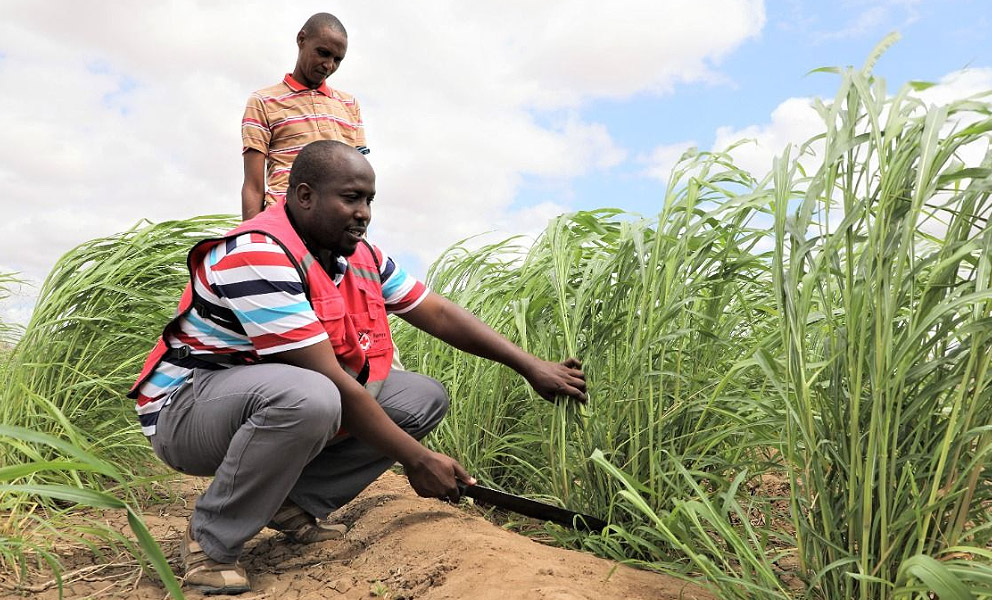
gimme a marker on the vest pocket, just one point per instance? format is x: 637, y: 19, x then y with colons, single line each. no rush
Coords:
x: 372, y: 292
x: 374, y: 340
x: 331, y: 313
x: 371, y: 324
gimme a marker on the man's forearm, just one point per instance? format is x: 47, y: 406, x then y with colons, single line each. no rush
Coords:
x: 253, y: 188
x: 362, y: 417
x: 458, y: 327
x: 251, y: 202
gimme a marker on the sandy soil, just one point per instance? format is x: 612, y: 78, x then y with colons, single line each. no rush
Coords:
x: 400, y: 546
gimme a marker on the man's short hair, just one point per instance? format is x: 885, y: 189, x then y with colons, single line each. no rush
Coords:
x: 321, y: 20
x: 315, y: 162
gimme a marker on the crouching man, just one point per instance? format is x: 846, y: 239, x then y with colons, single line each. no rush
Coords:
x: 275, y: 376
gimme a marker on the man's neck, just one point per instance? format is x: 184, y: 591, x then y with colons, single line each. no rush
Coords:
x: 327, y: 259
x: 298, y: 77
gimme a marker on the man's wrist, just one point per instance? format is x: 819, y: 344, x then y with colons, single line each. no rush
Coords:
x: 525, y: 364
x: 414, y: 456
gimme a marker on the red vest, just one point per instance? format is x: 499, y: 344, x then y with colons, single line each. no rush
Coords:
x: 353, y: 312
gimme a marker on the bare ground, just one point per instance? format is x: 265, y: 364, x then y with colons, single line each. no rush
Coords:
x: 399, y: 547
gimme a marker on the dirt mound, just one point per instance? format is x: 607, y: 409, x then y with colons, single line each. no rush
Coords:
x: 400, y: 546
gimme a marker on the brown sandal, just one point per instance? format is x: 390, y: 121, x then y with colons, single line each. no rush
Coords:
x: 206, y: 574
x: 301, y: 527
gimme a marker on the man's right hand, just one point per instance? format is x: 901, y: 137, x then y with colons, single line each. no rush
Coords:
x: 431, y: 474
x: 553, y: 380
x: 435, y: 475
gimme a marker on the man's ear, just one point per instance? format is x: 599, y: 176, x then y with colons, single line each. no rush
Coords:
x: 300, y: 37
x: 305, y: 196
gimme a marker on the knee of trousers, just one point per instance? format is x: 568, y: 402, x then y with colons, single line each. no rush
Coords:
x: 310, y: 403
x: 434, y: 407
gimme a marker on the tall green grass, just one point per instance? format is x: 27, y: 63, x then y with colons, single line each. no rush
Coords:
x: 98, y: 313
x: 9, y: 332
x: 15, y: 550
x: 830, y: 322
x: 69, y: 436
x: 660, y: 310
x: 882, y: 278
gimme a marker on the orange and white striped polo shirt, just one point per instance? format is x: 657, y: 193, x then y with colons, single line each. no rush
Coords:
x: 281, y: 119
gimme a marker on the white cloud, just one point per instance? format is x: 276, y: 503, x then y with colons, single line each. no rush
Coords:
x: 958, y: 85
x: 16, y: 303
x: 123, y: 110
x: 660, y: 162
x: 871, y: 16
x: 16, y: 311
x: 794, y: 121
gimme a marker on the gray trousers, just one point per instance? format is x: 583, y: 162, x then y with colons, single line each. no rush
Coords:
x: 267, y: 432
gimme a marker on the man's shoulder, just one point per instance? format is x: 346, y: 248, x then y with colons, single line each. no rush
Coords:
x: 247, y: 244
x: 272, y: 91
x: 341, y: 95
x: 373, y: 251
x: 247, y: 256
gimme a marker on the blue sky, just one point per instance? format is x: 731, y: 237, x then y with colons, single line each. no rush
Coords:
x: 936, y: 37
x: 481, y: 116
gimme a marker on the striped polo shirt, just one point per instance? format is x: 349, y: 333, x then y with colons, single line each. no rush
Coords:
x: 256, y: 306
x: 281, y: 119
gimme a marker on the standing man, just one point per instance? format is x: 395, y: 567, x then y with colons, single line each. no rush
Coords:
x: 275, y: 375
x: 279, y: 120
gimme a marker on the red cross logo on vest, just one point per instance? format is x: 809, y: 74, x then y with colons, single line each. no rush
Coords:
x: 364, y: 340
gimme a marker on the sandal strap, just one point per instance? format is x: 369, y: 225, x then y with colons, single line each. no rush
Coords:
x: 191, y: 551
x: 214, y: 577
x: 193, y: 547
x: 216, y: 567
x: 290, y: 518
x: 301, y: 527
x: 317, y: 532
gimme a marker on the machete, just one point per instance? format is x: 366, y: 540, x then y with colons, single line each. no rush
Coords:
x: 531, y: 508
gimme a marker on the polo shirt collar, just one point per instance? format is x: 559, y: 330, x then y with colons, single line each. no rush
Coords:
x: 334, y: 265
x: 296, y: 86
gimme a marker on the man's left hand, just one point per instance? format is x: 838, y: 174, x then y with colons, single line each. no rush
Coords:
x: 550, y: 379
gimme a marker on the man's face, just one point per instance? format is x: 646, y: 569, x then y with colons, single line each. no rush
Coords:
x: 340, y: 210
x: 321, y: 53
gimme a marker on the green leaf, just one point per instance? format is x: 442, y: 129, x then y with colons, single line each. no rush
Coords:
x: 37, y: 437
x: 934, y: 575
x: 969, y: 173
x: 834, y: 70
x: 67, y: 493
x: 102, y: 500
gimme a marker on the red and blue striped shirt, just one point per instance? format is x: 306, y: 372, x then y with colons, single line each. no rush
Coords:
x: 255, y: 305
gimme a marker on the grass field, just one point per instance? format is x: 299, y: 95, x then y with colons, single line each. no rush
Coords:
x: 789, y: 376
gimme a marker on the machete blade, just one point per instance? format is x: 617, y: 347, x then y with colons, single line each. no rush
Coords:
x: 531, y: 508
